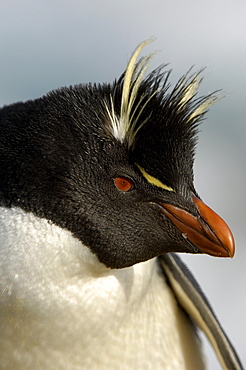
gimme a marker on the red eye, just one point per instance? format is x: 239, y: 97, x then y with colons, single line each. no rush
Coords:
x: 123, y: 183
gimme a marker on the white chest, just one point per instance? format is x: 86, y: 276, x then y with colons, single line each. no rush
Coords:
x: 62, y: 309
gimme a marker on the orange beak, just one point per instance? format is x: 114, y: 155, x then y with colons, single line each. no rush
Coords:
x: 207, y: 232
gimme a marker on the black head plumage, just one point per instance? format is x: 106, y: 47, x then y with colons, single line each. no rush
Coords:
x: 159, y: 125
x: 60, y: 156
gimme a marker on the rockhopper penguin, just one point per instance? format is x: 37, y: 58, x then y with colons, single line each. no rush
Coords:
x: 96, y: 195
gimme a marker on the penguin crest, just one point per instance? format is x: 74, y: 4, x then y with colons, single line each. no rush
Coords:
x: 135, y: 98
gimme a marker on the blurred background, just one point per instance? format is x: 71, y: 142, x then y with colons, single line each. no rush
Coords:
x: 48, y: 44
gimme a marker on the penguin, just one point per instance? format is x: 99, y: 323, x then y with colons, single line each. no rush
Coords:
x: 96, y: 200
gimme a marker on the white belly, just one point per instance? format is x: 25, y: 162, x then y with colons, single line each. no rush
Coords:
x: 61, y: 309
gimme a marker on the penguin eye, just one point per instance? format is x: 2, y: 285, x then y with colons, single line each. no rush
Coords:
x: 123, y: 183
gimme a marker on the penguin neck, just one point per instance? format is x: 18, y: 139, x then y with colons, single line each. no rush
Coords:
x: 40, y: 255
x: 45, y: 270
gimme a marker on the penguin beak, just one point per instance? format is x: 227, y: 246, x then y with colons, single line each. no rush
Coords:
x: 207, y: 231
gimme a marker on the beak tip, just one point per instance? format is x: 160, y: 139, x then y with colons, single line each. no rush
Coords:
x: 231, y: 247
x: 208, y: 232
x: 219, y: 227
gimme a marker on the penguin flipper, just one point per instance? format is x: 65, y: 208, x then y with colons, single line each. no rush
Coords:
x: 191, y: 298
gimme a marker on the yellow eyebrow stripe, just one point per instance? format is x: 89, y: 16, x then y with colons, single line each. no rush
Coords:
x: 152, y: 180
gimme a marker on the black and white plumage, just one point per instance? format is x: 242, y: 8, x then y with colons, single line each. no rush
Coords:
x: 96, y: 194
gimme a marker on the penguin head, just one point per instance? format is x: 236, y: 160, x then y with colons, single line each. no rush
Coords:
x: 113, y: 164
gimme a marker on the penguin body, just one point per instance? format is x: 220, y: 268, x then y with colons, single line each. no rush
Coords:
x: 96, y: 194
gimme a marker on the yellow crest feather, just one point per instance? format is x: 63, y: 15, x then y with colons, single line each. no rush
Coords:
x: 126, y: 124
x: 152, y: 180
x: 134, y: 75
